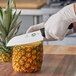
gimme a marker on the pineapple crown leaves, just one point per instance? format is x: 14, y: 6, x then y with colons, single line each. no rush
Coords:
x: 8, y: 22
x: 4, y: 49
x: 7, y: 15
x: 1, y: 14
x: 11, y: 32
x: 14, y: 20
x: 14, y: 4
x: 1, y: 42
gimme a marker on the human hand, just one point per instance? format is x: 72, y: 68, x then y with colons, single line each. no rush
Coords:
x: 57, y: 25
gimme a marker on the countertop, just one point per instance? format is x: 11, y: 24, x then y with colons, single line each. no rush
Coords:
x: 60, y: 49
x: 25, y: 4
x: 58, y: 60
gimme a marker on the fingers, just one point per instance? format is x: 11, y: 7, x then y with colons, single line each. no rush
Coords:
x: 35, y: 27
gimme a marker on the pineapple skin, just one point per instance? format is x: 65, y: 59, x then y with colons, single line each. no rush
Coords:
x: 28, y: 58
x: 5, y: 57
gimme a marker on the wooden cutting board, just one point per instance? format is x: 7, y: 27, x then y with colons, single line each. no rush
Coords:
x: 58, y: 60
x: 53, y: 65
x: 25, y: 4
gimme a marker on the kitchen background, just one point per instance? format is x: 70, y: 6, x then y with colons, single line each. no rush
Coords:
x: 40, y: 12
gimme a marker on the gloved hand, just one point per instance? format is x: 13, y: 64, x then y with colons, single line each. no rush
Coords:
x: 38, y: 27
x: 57, y: 25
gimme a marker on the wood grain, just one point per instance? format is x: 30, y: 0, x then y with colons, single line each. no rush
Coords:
x: 25, y: 4
x: 60, y: 49
x: 53, y: 65
x: 58, y: 60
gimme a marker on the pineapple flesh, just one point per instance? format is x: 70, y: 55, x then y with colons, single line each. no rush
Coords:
x: 9, y: 27
x: 28, y: 57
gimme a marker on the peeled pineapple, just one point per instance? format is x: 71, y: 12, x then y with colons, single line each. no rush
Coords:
x: 28, y: 58
x: 8, y: 29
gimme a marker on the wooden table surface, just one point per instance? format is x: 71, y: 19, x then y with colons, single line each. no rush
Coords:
x: 60, y: 49
x: 25, y: 4
x: 53, y: 64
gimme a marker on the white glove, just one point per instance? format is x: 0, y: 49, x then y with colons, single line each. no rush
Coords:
x: 57, y: 25
x: 35, y: 27
x: 38, y: 27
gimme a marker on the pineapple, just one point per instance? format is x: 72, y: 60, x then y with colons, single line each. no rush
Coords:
x: 8, y: 29
x: 28, y: 57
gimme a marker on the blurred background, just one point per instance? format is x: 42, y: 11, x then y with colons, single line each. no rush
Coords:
x: 37, y: 11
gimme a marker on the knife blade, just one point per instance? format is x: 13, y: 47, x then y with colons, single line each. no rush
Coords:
x: 27, y: 38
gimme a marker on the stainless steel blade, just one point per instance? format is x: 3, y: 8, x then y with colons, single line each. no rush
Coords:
x: 26, y: 38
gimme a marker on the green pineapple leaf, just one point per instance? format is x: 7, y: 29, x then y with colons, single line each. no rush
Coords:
x: 14, y: 4
x: 14, y: 15
x: 2, y: 30
x: 5, y: 21
x: 2, y: 37
x: 16, y: 31
x: 1, y: 15
x: 2, y: 42
x: 12, y: 31
x: 14, y: 21
x: 7, y: 16
x: 5, y: 49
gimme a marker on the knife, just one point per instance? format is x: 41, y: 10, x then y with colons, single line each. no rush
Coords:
x: 27, y: 38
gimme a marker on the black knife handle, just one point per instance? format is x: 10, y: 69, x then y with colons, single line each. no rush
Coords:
x: 70, y: 26
x: 42, y: 31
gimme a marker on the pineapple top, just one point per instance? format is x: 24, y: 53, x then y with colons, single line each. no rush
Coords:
x: 9, y: 25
